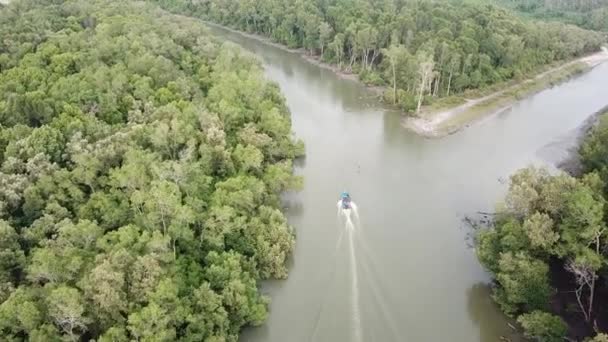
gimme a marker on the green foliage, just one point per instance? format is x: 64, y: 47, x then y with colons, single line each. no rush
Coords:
x: 542, y: 326
x: 539, y: 228
x: 524, y: 283
x: 588, y: 14
x: 12, y: 258
x: 594, y: 151
x: 556, y: 220
x: 142, y: 164
x: 470, y: 46
x: 66, y: 310
x: 599, y: 338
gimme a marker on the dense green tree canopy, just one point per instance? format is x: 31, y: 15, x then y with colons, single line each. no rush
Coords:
x: 421, y: 49
x: 141, y: 165
x: 551, y: 231
x: 591, y: 14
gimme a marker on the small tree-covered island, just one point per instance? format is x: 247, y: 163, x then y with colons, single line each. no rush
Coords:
x: 141, y: 167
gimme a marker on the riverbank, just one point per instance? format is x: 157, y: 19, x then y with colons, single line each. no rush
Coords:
x: 449, y: 115
x: 352, y: 146
x: 445, y: 121
x: 572, y: 163
x: 316, y: 60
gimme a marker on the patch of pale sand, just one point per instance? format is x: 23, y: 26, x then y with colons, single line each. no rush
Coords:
x: 429, y: 125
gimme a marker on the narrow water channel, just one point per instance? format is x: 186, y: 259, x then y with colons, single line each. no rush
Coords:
x: 404, y: 273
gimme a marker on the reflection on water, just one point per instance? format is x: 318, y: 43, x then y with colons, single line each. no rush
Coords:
x: 416, y: 278
x: 484, y: 312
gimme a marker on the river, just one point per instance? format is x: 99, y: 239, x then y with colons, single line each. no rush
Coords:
x: 405, y: 273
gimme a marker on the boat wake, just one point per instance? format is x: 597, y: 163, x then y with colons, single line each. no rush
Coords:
x: 349, y: 214
x: 354, y: 282
x: 349, y: 223
x: 351, y: 220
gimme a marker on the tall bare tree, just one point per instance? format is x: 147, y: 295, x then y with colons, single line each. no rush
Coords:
x: 393, y: 54
x: 425, y: 76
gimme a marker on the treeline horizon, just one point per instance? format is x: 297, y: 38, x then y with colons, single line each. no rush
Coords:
x: 589, y: 14
x: 421, y: 50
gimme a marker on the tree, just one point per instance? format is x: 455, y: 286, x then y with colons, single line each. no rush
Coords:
x: 12, y: 258
x: 453, y: 66
x: 582, y: 228
x: 152, y: 323
x: 311, y: 32
x: 105, y: 286
x: 20, y: 312
x: 147, y: 271
x: 248, y: 158
x: 66, y: 308
x: 394, y: 53
x: 524, y: 281
x: 524, y: 191
x: 539, y: 228
x: 365, y: 40
x: 338, y: 47
x: 425, y: 76
x: 46, y: 333
x: 55, y: 264
x: 209, y: 320
x: 584, y: 269
x: 325, y: 33
x: 114, y: 334
x: 542, y: 326
x: 161, y: 207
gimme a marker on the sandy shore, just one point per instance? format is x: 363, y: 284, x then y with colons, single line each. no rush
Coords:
x: 429, y: 124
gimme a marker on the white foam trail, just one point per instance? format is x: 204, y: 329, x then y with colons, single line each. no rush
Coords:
x: 369, y: 266
x: 348, y: 213
x: 342, y: 212
x: 355, y: 282
x: 330, y: 280
x: 355, y: 210
x: 349, y: 223
x: 367, y: 261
